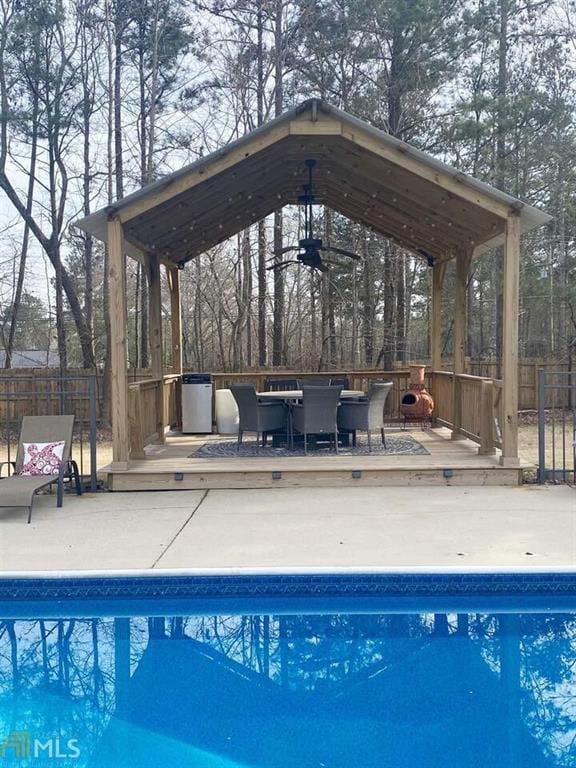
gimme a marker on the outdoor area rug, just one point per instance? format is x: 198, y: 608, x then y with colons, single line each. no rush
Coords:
x: 396, y: 445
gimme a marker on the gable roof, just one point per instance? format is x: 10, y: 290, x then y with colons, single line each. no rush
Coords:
x: 361, y: 172
x: 437, y: 698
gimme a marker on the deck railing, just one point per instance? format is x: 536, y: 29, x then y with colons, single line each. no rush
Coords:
x: 469, y: 405
x: 153, y: 407
x: 142, y: 416
x: 357, y: 380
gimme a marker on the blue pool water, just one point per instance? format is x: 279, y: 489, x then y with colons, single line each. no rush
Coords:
x: 287, y: 673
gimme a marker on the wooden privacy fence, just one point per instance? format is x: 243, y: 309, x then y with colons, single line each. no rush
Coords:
x: 42, y: 384
x: 42, y: 393
x: 528, y: 373
x: 47, y: 396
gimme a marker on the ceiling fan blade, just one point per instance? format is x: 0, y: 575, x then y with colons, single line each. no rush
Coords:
x: 338, y: 264
x: 341, y: 251
x: 287, y: 249
x: 283, y: 264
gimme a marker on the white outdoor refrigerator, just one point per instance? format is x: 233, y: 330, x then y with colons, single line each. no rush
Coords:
x: 197, y: 403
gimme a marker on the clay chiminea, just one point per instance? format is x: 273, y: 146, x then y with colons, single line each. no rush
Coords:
x: 417, y: 403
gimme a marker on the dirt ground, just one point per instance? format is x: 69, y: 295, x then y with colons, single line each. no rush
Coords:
x: 80, y: 453
x: 527, y: 443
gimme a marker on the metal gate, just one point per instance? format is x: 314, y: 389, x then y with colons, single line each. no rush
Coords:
x: 556, y: 426
x: 53, y: 395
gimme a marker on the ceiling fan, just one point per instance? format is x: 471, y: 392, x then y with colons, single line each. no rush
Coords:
x: 310, y: 247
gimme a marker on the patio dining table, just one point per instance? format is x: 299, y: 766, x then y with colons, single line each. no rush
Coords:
x: 291, y: 396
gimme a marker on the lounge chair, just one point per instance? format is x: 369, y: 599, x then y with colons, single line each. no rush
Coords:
x: 18, y: 490
x: 366, y: 415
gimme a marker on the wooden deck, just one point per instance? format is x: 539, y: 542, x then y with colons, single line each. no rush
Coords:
x: 449, y: 462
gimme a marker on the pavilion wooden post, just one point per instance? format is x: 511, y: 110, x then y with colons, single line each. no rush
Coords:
x: 118, y: 359
x: 438, y: 272
x: 487, y: 446
x: 509, y: 411
x: 156, y: 356
x: 462, y: 267
x: 173, y: 277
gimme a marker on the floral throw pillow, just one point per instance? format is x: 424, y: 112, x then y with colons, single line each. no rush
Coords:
x: 42, y: 458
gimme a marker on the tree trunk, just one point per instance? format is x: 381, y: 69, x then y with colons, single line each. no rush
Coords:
x: 386, y: 356
x: 262, y: 352
x: 278, y: 357
x: 500, y: 174
x: 247, y: 297
x: 400, y: 306
x: 354, y: 343
x: 368, y: 306
x: 25, y: 237
x: 118, y: 161
x: 313, y: 323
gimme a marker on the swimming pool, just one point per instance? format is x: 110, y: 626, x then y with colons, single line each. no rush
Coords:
x: 295, y: 669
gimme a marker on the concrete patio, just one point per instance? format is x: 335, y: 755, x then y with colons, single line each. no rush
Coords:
x: 447, y: 526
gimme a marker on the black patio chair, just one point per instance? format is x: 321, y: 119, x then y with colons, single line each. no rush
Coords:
x: 255, y: 416
x: 324, y: 382
x: 366, y: 415
x: 317, y: 414
x: 341, y: 381
x: 281, y: 385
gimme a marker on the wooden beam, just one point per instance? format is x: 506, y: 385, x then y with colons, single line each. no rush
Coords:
x: 118, y: 359
x: 232, y: 227
x: 135, y: 421
x: 207, y: 204
x: 224, y: 220
x: 198, y: 173
x: 452, y: 213
x: 156, y: 356
x: 347, y: 207
x: 392, y: 220
x: 404, y: 158
x: 173, y: 276
x: 438, y: 273
x: 509, y: 424
x: 487, y: 419
x: 460, y: 305
x: 326, y: 127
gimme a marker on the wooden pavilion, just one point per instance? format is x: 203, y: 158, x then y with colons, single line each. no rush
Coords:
x: 423, y: 205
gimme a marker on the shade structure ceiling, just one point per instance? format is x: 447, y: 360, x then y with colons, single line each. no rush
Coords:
x: 362, y: 173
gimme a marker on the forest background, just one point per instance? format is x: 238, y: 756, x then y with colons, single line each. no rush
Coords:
x: 98, y: 97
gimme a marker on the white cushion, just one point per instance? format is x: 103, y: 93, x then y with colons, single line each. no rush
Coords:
x: 42, y: 458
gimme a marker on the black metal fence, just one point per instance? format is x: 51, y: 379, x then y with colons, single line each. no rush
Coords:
x: 50, y: 396
x: 556, y: 426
